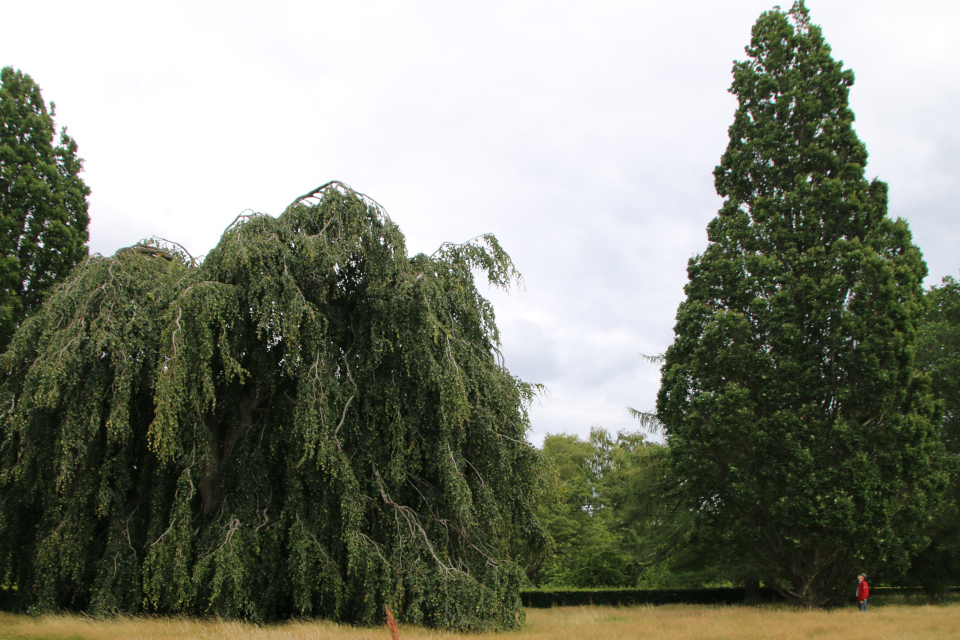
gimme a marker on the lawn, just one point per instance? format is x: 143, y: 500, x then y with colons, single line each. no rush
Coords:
x: 674, y: 622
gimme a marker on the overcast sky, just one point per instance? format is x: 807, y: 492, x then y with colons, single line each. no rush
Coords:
x: 583, y: 135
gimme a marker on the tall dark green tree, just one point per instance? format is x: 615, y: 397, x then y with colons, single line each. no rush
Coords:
x: 794, y: 416
x: 310, y: 422
x: 43, y: 201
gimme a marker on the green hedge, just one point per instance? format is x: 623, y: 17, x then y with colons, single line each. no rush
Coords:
x: 545, y: 598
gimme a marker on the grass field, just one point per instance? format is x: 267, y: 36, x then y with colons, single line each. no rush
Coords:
x: 676, y: 622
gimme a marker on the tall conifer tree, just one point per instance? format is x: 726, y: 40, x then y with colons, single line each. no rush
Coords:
x: 43, y: 201
x: 795, y: 419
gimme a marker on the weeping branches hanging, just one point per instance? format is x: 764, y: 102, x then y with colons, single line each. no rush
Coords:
x: 159, y: 407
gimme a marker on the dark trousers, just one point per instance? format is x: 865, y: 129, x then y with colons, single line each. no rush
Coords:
x: 863, y: 606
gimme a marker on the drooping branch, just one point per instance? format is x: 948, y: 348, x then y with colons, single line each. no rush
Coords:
x: 157, y: 247
x: 342, y: 187
x: 355, y: 365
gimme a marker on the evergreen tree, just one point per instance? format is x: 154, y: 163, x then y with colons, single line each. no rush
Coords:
x: 310, y: 422
x: 795, y: 419
x: 43, y: 201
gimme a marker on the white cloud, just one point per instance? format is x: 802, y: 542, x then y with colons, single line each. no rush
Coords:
x: 584, y: 135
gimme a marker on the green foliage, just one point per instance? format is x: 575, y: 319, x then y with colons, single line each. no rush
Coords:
x: 609, y: 523
x: 43, y: 201
x: 310, y: 422
x: 589, y: 551
x: 938, y: 353
x: 796, y: 423
x: 937, y: 567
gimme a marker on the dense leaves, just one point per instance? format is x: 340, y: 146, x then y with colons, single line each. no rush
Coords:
x: 938, y: 352
x: 794, y: 417
x: 43, y: 201
x: 309, y: 422
x: 937, y: 567
x: 610, y: 518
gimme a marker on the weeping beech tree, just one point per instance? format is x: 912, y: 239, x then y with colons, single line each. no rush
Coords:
x: 309, y: 422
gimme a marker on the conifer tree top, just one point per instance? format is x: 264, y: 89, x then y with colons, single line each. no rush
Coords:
x: 43, y: 201
x: 793, y: 121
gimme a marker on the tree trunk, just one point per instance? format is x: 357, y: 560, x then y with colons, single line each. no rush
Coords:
x: 752, y: 595
x: 220, y: 451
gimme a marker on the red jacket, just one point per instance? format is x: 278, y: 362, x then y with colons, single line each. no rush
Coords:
x: 863, y: 590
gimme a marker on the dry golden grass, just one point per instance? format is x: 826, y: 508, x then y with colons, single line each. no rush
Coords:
x: 681, y: 622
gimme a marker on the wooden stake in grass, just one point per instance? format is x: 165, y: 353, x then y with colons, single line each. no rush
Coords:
x: 392, y: 624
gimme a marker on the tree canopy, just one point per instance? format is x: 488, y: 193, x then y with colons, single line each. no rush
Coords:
x: 610, y: 514
x: 43, y: 201
x: 938, y: 352
x: 796, y: 422
x: 307, y: 422
x: 937, y: 568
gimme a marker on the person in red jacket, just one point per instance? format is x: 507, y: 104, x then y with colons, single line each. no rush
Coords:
x: 863, y: 592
